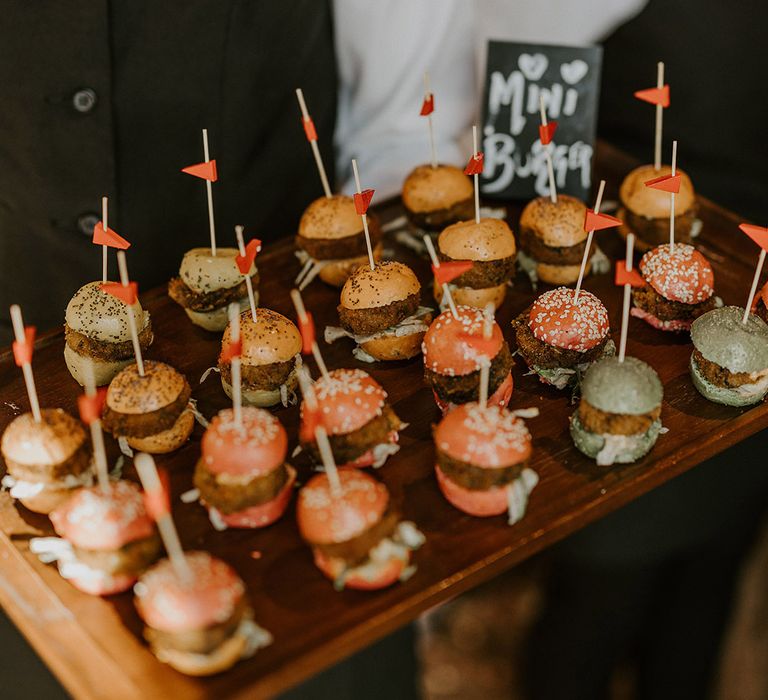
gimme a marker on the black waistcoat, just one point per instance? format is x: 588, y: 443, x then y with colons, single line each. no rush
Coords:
x: 110, y: 97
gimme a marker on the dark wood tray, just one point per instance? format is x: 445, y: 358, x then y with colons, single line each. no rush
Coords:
x: 94, y: 646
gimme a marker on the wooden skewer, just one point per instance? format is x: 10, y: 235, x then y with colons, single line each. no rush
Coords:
x: 209, y: 192
x: 627, y: 293
x: 753, y: 290
x: 427, y: 93
x: 659, y: 118
x: 548, y: 155
x: 248, y: 282
x: 124, y: 280
x: 237, y: 386
x: 150, y: 480
x: 26, y: 368
x: 446, y: 289
x: 298, y: 302
x: 476, y: 176
x: 485, y: 366
x: 672, y: 201
x: 364, y: 217
x: 97, y: 436
x: 585, y: 257
x: 313, y: 144
x: 104, y: 248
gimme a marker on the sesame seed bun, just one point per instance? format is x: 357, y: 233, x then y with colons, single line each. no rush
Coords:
x: 166, y: 440
x: 629, y: 388
x: 52, y: 441
x: 324, y: 518
x: 559, y: 224
x: 101, y: 316
x: 684, y: 275
x: 132, y: 394
x: 429, y: 189
x: 331, y: 217
x: 556, y: 320
x: 476, y: 298
x: 204, y: 272
x: 652, y: 203
x: 388, y: 282
x: 337, y: 272
x: 491, y: 239
x: 271, y: 338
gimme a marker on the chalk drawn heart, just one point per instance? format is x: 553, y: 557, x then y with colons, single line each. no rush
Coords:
x: 574, y: 71
x: 533, y: 66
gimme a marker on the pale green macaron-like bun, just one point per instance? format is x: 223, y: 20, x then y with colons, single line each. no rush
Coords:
x: 721, y: 337
x: 722, y: 394
x: 631, y: 387
x: 627, y: 448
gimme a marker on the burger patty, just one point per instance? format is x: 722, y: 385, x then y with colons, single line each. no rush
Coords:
x: 104, y: 350
x: 600, y: 422
x: 648, y: 299
x: 139, y: 425
x: 378, y: 318
x: 78, y: 463
x: 200, y: 641
x: 348, y: 447
x: 195, y: 301
x: 541, y: 354
x: 341, y: 248
x: 466, y: 387
x: 131, y: 559
x: 484, y: 273
x: 720, y: 376
x: 439, y: 219
x: 355, y: 551
x: 477, y: 478
x: 232, y: 498
x: 656, y: 231
x: 260, y: 377
x: 535, y: 248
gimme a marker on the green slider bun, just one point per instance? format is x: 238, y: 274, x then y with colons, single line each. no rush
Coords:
x: 735, y: 354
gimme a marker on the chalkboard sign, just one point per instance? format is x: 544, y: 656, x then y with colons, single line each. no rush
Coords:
x: 517, y: 75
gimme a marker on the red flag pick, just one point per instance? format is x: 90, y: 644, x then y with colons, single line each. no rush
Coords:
x: 244, y: 262
x: 127, y: 294
x: 307, y: 328
x: 759, y: 234
x: 158, y: 503
x: 624, y: 276
x: 205, y: 171
x: 449, y: 271
x: 22, y: 352
x: 666, y: 183
x: 90, y: 407
x: 547, y: 132
x: 108, y: 237
x: 363, y: 201
x: 234, y: 348
x: 597, y: 222
x: 428, y: 106
x: 475, y: 165
x: 655, y: 95
x: 309, y: 129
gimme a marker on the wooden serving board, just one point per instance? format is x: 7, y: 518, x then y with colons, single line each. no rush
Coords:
x: 95, y: 647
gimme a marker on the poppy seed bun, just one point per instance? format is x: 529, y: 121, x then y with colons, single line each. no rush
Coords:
x: 428, y: 189
x: 204, y: 272
x: 101, y: 316
x: 132, y: 394
x: 388, y: 282
x: 271, y: 338
x: 53, y: 440
x: 491, y: 239
x: 331, y: 217
x: 103, y: 370
x: 631, y: 387
x: 652, y: 203
x: 167, y: 440
x: 476, y: 298
x: 721, y: 337
x: 558, y: 225
x: 336, y: 273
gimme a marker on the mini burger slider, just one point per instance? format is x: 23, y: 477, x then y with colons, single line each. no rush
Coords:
x: 437, y: 197
x: 112, y: 538
x: 559, y: 338
x: 552, y: 239
x: 729, y: 364
x: 362, y: 427
x: 46, y: 461
x: 380, y: 310
x: 482, y: 455
x: 97, y: 334
x: 454, y: 350
x: 331, y: 234
x: 356, y: 536
x: 207, y: 284
x: 679, y: 287
x: 490, y: 246
x: 619, y: 416
x: 199, y: 625
x: 645, y: 210
x: 242, y: 475
x: 151, y: 412
x: 271, y: 352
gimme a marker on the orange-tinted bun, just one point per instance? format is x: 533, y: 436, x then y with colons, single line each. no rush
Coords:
x: 684, y: 275
x: 481, y: 504
x: 264, y: 514
x: 556, y: 320
x: 387, y: 573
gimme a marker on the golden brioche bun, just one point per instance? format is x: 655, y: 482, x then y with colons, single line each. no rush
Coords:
x: 132, y: 394
x: 271, y: 338
x: 476, y: 298
x: 428, y: 189
x: 331, y: 217
x: 388, y: 282
x: 652, y: 203
x: 560, y: 224
x: 337, y: 272
x: 491, y: 239
x: 393, y: 347
x: 560, y: 274
x: 168, y: 440
x: 261, y: 398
